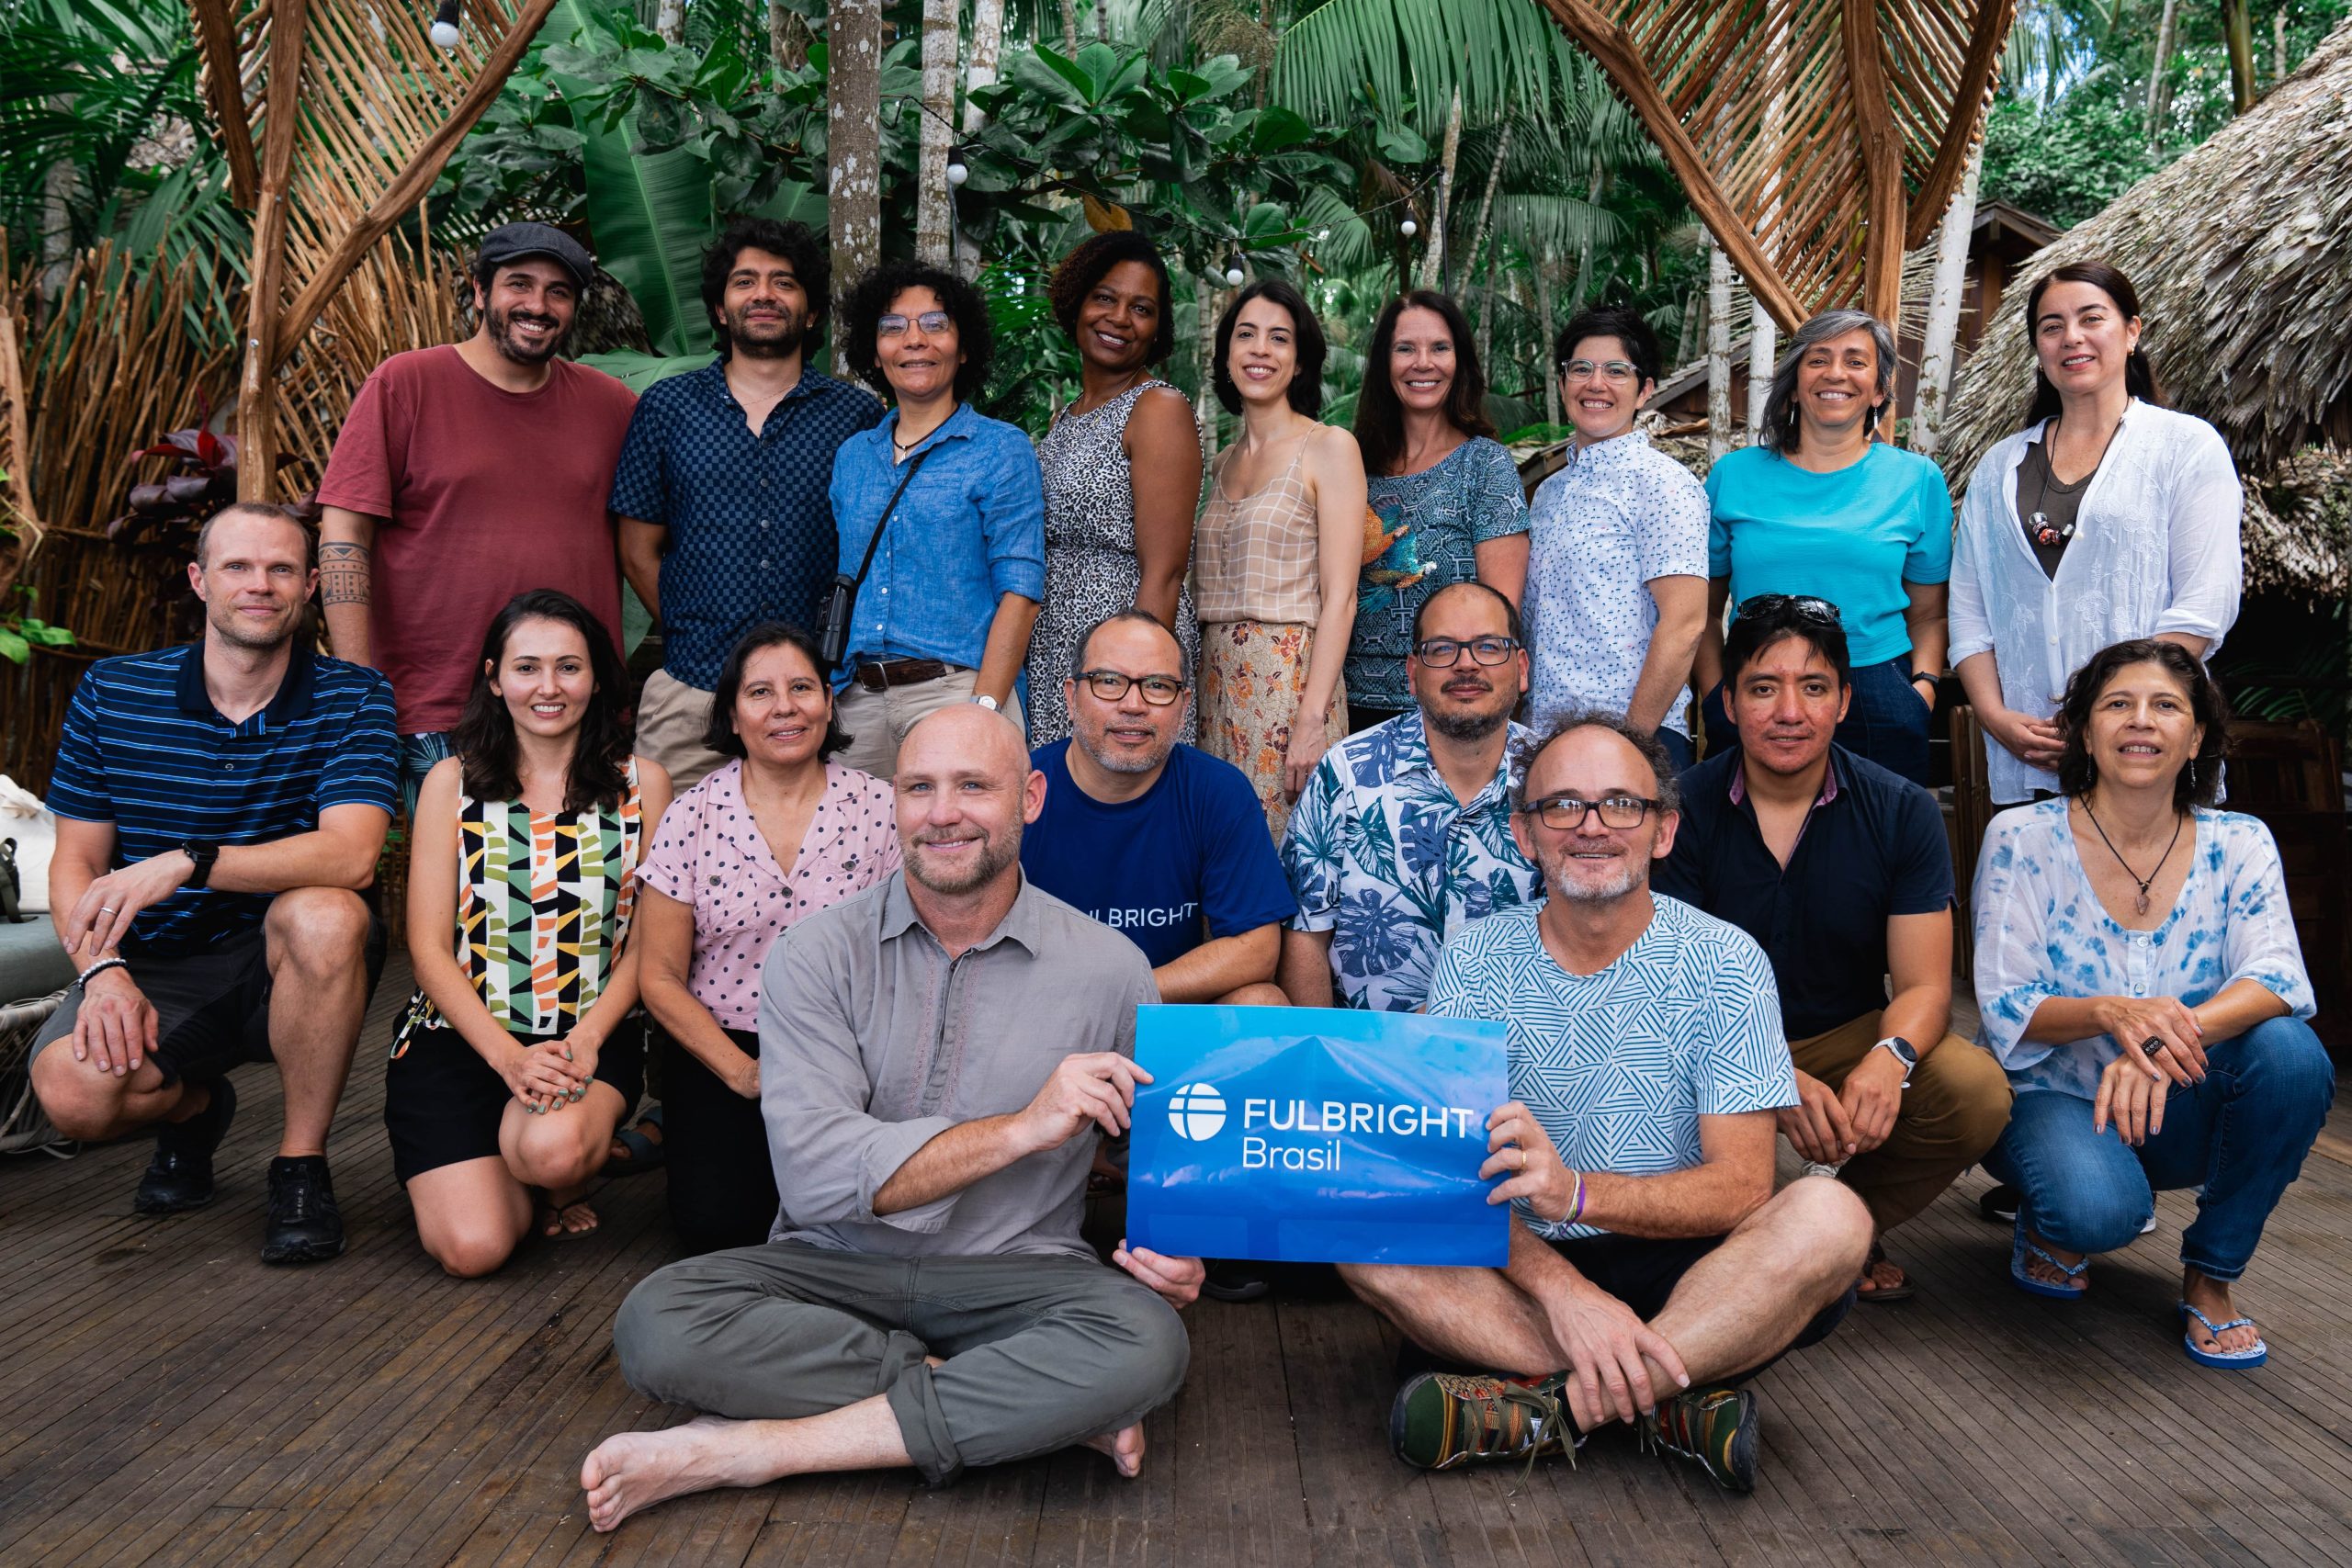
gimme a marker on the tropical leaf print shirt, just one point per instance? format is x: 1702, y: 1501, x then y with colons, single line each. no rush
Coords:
x: 2041, y: 932
x: 1382, y: 856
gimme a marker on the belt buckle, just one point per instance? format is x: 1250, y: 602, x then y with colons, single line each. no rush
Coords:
x: 871, y: 677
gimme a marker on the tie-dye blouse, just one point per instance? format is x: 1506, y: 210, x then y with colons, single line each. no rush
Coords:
x: 2041, y: 932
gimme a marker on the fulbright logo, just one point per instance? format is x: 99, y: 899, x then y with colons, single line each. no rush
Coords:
x: 1196, y: 1110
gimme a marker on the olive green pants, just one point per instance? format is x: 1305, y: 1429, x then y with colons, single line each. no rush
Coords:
x: 1953, y: 1111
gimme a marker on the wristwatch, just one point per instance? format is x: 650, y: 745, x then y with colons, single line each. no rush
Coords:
x: 988, y: 702
x: 203, y: 852
x: 1904, y: 1052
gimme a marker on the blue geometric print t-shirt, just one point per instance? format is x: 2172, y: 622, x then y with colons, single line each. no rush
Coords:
x: 1186, y: 861
x: 1619, y: 1066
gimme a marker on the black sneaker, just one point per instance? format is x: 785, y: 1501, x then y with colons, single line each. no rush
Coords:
x: 304, y: 1226
x: 1228, y: 1281
x: 1999, y: 1204
x: 180, y: 1176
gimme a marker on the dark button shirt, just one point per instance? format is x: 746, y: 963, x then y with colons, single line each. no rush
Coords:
x: 1872, y: 847
x: 750, y: 526
x: 144, y: 749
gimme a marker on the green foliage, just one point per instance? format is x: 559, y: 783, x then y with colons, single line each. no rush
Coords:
x: 2066, y: 162
x: 21, y: 631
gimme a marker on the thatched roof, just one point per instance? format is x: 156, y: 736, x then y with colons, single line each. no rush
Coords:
x: 2242, y: 252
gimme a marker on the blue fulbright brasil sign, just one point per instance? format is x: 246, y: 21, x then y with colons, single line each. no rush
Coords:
x: 1316, y: 1136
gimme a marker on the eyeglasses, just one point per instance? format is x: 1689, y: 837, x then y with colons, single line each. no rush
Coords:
x: 1111, y: 685
x: 933, y: 323
x: 1614, y: 371
x: 1567, y: 812
x: 1444, y: 652
x: 1803, y: 605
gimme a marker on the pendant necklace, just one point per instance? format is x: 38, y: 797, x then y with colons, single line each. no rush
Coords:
x: 2140, y: 905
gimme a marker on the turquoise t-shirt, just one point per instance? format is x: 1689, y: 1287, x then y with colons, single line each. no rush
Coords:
x: 1853, y: 538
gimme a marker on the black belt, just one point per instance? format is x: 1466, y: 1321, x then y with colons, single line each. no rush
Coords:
x: 887, y: 674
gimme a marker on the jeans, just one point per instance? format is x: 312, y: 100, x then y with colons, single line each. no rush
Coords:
x: 418, y: 755
x: 2240, y: 1136
x: 1887, y: 721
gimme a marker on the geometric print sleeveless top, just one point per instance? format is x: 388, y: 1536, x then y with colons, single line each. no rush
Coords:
x: 544, y: 901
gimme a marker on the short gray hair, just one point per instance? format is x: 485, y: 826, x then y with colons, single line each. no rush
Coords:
x: 1645, y: 741
x: 1779, y: 433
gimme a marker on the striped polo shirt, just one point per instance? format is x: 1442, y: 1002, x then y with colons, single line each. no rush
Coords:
x: 145, y: 749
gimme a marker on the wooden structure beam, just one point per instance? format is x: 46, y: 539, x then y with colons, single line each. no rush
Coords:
x: 1881, y: 155
x: 216, y: 36
x: 1977, y: 73
x: 256, y: 408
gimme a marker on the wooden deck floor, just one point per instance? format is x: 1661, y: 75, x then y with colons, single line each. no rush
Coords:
x: 164, y: 1400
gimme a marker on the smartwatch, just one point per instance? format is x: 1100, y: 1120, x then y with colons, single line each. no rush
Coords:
x: 203, y: 852
x: 988, y: 702
x: 1904, y: 1052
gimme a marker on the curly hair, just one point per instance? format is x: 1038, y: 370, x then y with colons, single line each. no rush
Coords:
x: 1305, y: 389
x: 2199, y: 782
x: 1380, y: 416
x: 812, y: 264
x: 484, y: 738
x: 870, y: 299
x: 1091, y: 262
x: 1622, y: 322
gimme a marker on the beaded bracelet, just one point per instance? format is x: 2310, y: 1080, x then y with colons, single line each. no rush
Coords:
x: 82, y: 981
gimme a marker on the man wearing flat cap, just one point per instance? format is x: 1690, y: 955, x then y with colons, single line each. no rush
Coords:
x: 464, y: 475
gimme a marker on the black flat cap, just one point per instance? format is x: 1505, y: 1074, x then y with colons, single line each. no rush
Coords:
x: 513, y: 241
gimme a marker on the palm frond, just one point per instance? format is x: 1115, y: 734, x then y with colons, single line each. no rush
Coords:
x: 1410, y: 55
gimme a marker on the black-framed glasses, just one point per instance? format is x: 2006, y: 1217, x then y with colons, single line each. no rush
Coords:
x: 1803, y: 605
x: 1567, y: 812
x: 933, y: 323
x: 1112, y: 685
x: 1444, y: 652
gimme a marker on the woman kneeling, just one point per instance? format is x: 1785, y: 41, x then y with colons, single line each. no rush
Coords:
x: 519, y: 1056
x: 2140, y: 981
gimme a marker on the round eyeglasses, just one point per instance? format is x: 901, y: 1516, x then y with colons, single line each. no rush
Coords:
x: 1111, y: 685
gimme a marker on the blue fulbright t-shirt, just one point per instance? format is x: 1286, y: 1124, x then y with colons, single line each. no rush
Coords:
x: 1853, y: 538
x: 1191, y: 849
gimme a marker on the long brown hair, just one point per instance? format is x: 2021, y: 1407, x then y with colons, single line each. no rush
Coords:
x: 2139, y: 375
x: 1380, y: 418
x: 484, y: 737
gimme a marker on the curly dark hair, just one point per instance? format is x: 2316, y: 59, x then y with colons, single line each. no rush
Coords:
x: 2198, y: 784
x: 1380, y: 417
x: 1653, y: 752
x: 812, y: 263
x: 484, y: 738
x: 870, y: 301
x: 1091, y: 262
x: 720, y: 734
x: 1305, y: 389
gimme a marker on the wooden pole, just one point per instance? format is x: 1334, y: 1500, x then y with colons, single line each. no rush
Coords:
x: 257, y: 387
x: 216, y: 34
x: 1882, y: 145
x: 1718, y: 352
x: 854, y: 150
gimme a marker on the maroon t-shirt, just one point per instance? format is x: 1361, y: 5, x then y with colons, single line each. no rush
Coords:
x: 483, y: 493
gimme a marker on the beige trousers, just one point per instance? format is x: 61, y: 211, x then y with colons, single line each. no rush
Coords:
x: 877, y: 721
x: 1953, y: 1111
x: 672, y: 718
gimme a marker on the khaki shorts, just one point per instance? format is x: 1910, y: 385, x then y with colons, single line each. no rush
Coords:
x: 671, y: 720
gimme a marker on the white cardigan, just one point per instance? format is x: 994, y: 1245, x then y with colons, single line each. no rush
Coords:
x: 2156, y: 550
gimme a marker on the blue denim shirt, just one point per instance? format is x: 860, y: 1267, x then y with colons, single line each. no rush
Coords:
x: 751, y: 531
x: 970, y: 529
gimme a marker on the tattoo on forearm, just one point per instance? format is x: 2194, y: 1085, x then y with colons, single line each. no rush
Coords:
x: 342, y: 574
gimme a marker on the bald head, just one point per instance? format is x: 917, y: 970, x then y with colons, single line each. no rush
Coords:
x: 965, y: 789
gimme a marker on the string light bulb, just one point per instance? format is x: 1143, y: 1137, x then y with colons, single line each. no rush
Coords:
x: 1232, y: 274
x: 1408, y: 227
x: 443, y: 30
x: 958, y: 171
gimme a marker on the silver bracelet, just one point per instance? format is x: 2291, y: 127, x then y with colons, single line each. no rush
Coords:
x: 82, y: 981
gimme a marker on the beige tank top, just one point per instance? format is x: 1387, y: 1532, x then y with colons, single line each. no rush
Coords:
x: 1256, y: 557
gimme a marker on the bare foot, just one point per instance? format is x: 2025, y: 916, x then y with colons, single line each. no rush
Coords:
x: 1123, y: 1447
x: 633, y: 1471
x: 1881, y: 1277
x: 2211, y: 1297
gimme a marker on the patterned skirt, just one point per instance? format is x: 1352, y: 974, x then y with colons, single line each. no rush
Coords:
x: 1252, y: 675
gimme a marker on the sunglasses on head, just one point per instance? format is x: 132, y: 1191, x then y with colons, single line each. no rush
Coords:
x: 1804, y: 606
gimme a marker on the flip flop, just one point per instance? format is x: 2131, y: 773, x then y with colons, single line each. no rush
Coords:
x: 2020, y: 1247
x: 554, y: 1212
x: 644, y: 1154
x: 2243, y: 1360
x: 1865, y: 1291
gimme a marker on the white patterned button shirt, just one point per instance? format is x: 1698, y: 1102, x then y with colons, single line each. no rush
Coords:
x: 1620, y: 515
x: 2041, y: 932
x: 1382, y: 856
x: 1619, y: 1066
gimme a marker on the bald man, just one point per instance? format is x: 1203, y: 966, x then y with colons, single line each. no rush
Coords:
x: 938, y: 1057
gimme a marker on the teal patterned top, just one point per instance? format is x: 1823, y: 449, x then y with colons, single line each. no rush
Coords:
x: 1469, y: 497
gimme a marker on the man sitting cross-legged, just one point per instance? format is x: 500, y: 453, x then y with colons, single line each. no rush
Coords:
x: 936, y: 1056
x: 219, y: 805
x: 1655, y: 1261
x: 1839, y: 868
x: 1152, y: 838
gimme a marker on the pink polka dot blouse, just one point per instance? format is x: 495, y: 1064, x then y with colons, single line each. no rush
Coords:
x: 709, y: 853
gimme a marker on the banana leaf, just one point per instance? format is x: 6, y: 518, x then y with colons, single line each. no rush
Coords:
x: 637, y: 371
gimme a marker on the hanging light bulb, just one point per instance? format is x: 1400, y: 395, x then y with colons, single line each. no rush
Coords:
x: 443, y: 30
x: 957, y: 172
x: 1234, y: 274
x: 1408, y: 227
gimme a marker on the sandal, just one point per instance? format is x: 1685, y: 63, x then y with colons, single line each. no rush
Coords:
x: 1866, y: 1292
x: 2020, y: 1248
x: 644, y: 1154
x: 551, y: 1221
x: 2243, y: 1360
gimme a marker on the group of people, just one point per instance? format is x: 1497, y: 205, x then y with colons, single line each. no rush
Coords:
x: 962, y: 749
